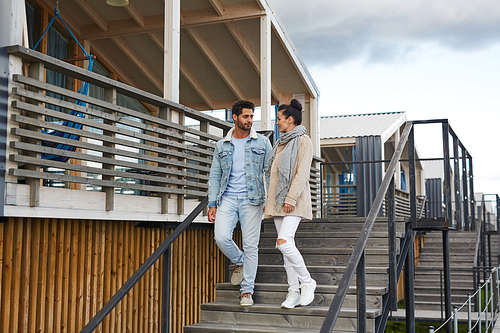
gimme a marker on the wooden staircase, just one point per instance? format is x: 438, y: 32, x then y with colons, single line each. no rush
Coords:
x: 429, y: 283
x: 326, y: 246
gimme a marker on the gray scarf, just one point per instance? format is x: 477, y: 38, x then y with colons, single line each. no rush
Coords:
x: 286, y: 163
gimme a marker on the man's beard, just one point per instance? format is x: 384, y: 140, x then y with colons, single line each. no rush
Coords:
x: 243, y: 126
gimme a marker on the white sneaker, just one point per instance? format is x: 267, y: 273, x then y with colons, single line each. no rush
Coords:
x: 307, y: 292
x: 291, y: 301
x: 246, y: 299
x: 237, y: 276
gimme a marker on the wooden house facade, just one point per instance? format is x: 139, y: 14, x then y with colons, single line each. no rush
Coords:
x: 93, y: 183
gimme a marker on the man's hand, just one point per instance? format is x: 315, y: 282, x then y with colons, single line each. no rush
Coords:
x: 288, y: 208
x: 211, y: 214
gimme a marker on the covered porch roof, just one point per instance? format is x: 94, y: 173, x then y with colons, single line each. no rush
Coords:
x: 220, y: 44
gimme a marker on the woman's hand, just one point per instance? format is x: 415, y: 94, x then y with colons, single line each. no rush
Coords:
x: 288, y: 208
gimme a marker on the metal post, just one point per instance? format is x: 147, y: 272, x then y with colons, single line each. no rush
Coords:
x: 410, y: 258
x: 486, y: 305
x: 492, y: 299
x: 441, y: 292
x: 471, y: 195
x: 455, y: 319
x: 469, y: 311
x: 447, y: 172
x: 393, y: 291
x: 483, y: 236
x: 479, y: 308
x: 447, y: 283
x: 165, y: 290
x: 409, y: 289
x: 465, y: 190
x: 321, y: 180
x: 456, y: 173
x: 361, y: 292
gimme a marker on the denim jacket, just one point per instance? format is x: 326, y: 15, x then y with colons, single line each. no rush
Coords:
x: 257, y: 150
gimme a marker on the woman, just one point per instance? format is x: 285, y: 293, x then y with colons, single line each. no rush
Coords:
x: 289, y: 199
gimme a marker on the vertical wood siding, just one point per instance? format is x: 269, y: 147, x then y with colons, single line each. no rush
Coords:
x: 55, y: 274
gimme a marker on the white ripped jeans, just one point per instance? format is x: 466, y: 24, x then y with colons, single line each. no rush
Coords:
x: 295, y: 267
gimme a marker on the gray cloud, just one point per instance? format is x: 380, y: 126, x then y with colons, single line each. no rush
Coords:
x: 329, y: 32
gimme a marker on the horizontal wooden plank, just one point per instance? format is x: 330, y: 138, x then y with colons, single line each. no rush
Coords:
x: 104, y: 160
x: 99, y: 182
x: 108, y: 139
x: 118, y: 152
x: 49, y: 62
x: 87, y: 169
x: 39, y: 97
x: 105, y: 127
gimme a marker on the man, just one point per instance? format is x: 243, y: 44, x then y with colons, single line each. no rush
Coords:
x: 236, y: 192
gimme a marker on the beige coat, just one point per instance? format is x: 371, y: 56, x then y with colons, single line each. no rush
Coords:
x: 299, y: 194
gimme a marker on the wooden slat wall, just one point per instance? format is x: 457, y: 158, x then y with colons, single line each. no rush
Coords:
x: 55, y: 274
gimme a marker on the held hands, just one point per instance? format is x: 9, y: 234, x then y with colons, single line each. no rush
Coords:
x: 211, y: 214
x: 288, y: 208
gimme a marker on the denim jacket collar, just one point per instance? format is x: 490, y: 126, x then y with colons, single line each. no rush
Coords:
x: 253, y: 134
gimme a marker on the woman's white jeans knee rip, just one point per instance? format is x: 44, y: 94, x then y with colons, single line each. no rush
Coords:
x: 294, y: 263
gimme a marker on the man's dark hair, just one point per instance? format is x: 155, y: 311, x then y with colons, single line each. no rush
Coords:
x: 238, y: 107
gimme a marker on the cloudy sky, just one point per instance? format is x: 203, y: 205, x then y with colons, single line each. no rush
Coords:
x: 431, y: 58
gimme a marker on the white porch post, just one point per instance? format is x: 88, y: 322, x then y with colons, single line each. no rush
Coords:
x: 397, y: 176
x: 314, y: 125
x: 265, y: 72
x: 171, y: 50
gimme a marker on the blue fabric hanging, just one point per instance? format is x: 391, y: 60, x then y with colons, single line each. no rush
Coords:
x: 84, y: 90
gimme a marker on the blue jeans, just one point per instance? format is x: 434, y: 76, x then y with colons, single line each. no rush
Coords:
x: 232, y: 209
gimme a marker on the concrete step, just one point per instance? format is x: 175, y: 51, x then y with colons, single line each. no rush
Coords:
x: 265, y: 293
x: 227, y: 328
x: 433, y: 298
x: 375, y: 276
x: 436, y: 283
x: 329, y: 234
x: 434, y: 306
x: 325, y: 256
x: 304, y: 242
x: 343, y: 226
x: 272, y: 315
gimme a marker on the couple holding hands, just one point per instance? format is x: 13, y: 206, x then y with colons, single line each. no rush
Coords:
x: 245, y: 167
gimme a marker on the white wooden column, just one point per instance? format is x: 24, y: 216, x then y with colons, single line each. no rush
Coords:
x: 265, y: 72
x: 314, y: 125
x: 171, y: 50
x: 397, y: 176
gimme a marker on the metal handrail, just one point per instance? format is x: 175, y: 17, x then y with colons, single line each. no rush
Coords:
x: 359, y: 249
x: 132, y: 281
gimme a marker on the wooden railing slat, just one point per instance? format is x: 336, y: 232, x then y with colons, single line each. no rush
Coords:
x: 98, y: 159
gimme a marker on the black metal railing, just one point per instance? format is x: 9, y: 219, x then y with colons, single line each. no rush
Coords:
x: 163, y: 249
x: 488, y: 220
x: 460, y: 216
x: 357, y: 261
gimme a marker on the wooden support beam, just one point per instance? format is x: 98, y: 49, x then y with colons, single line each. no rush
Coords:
x: 156, y: 22
x: 137, y: 60
x: 254, y: 60
x: 117, y: 68
x: 110, y: 97
x: 242, y: 11
x: 216, y: 63
x: 189, y: 76
x: 93, y: 14
x: 135, y: 14
x: 219, y: 8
